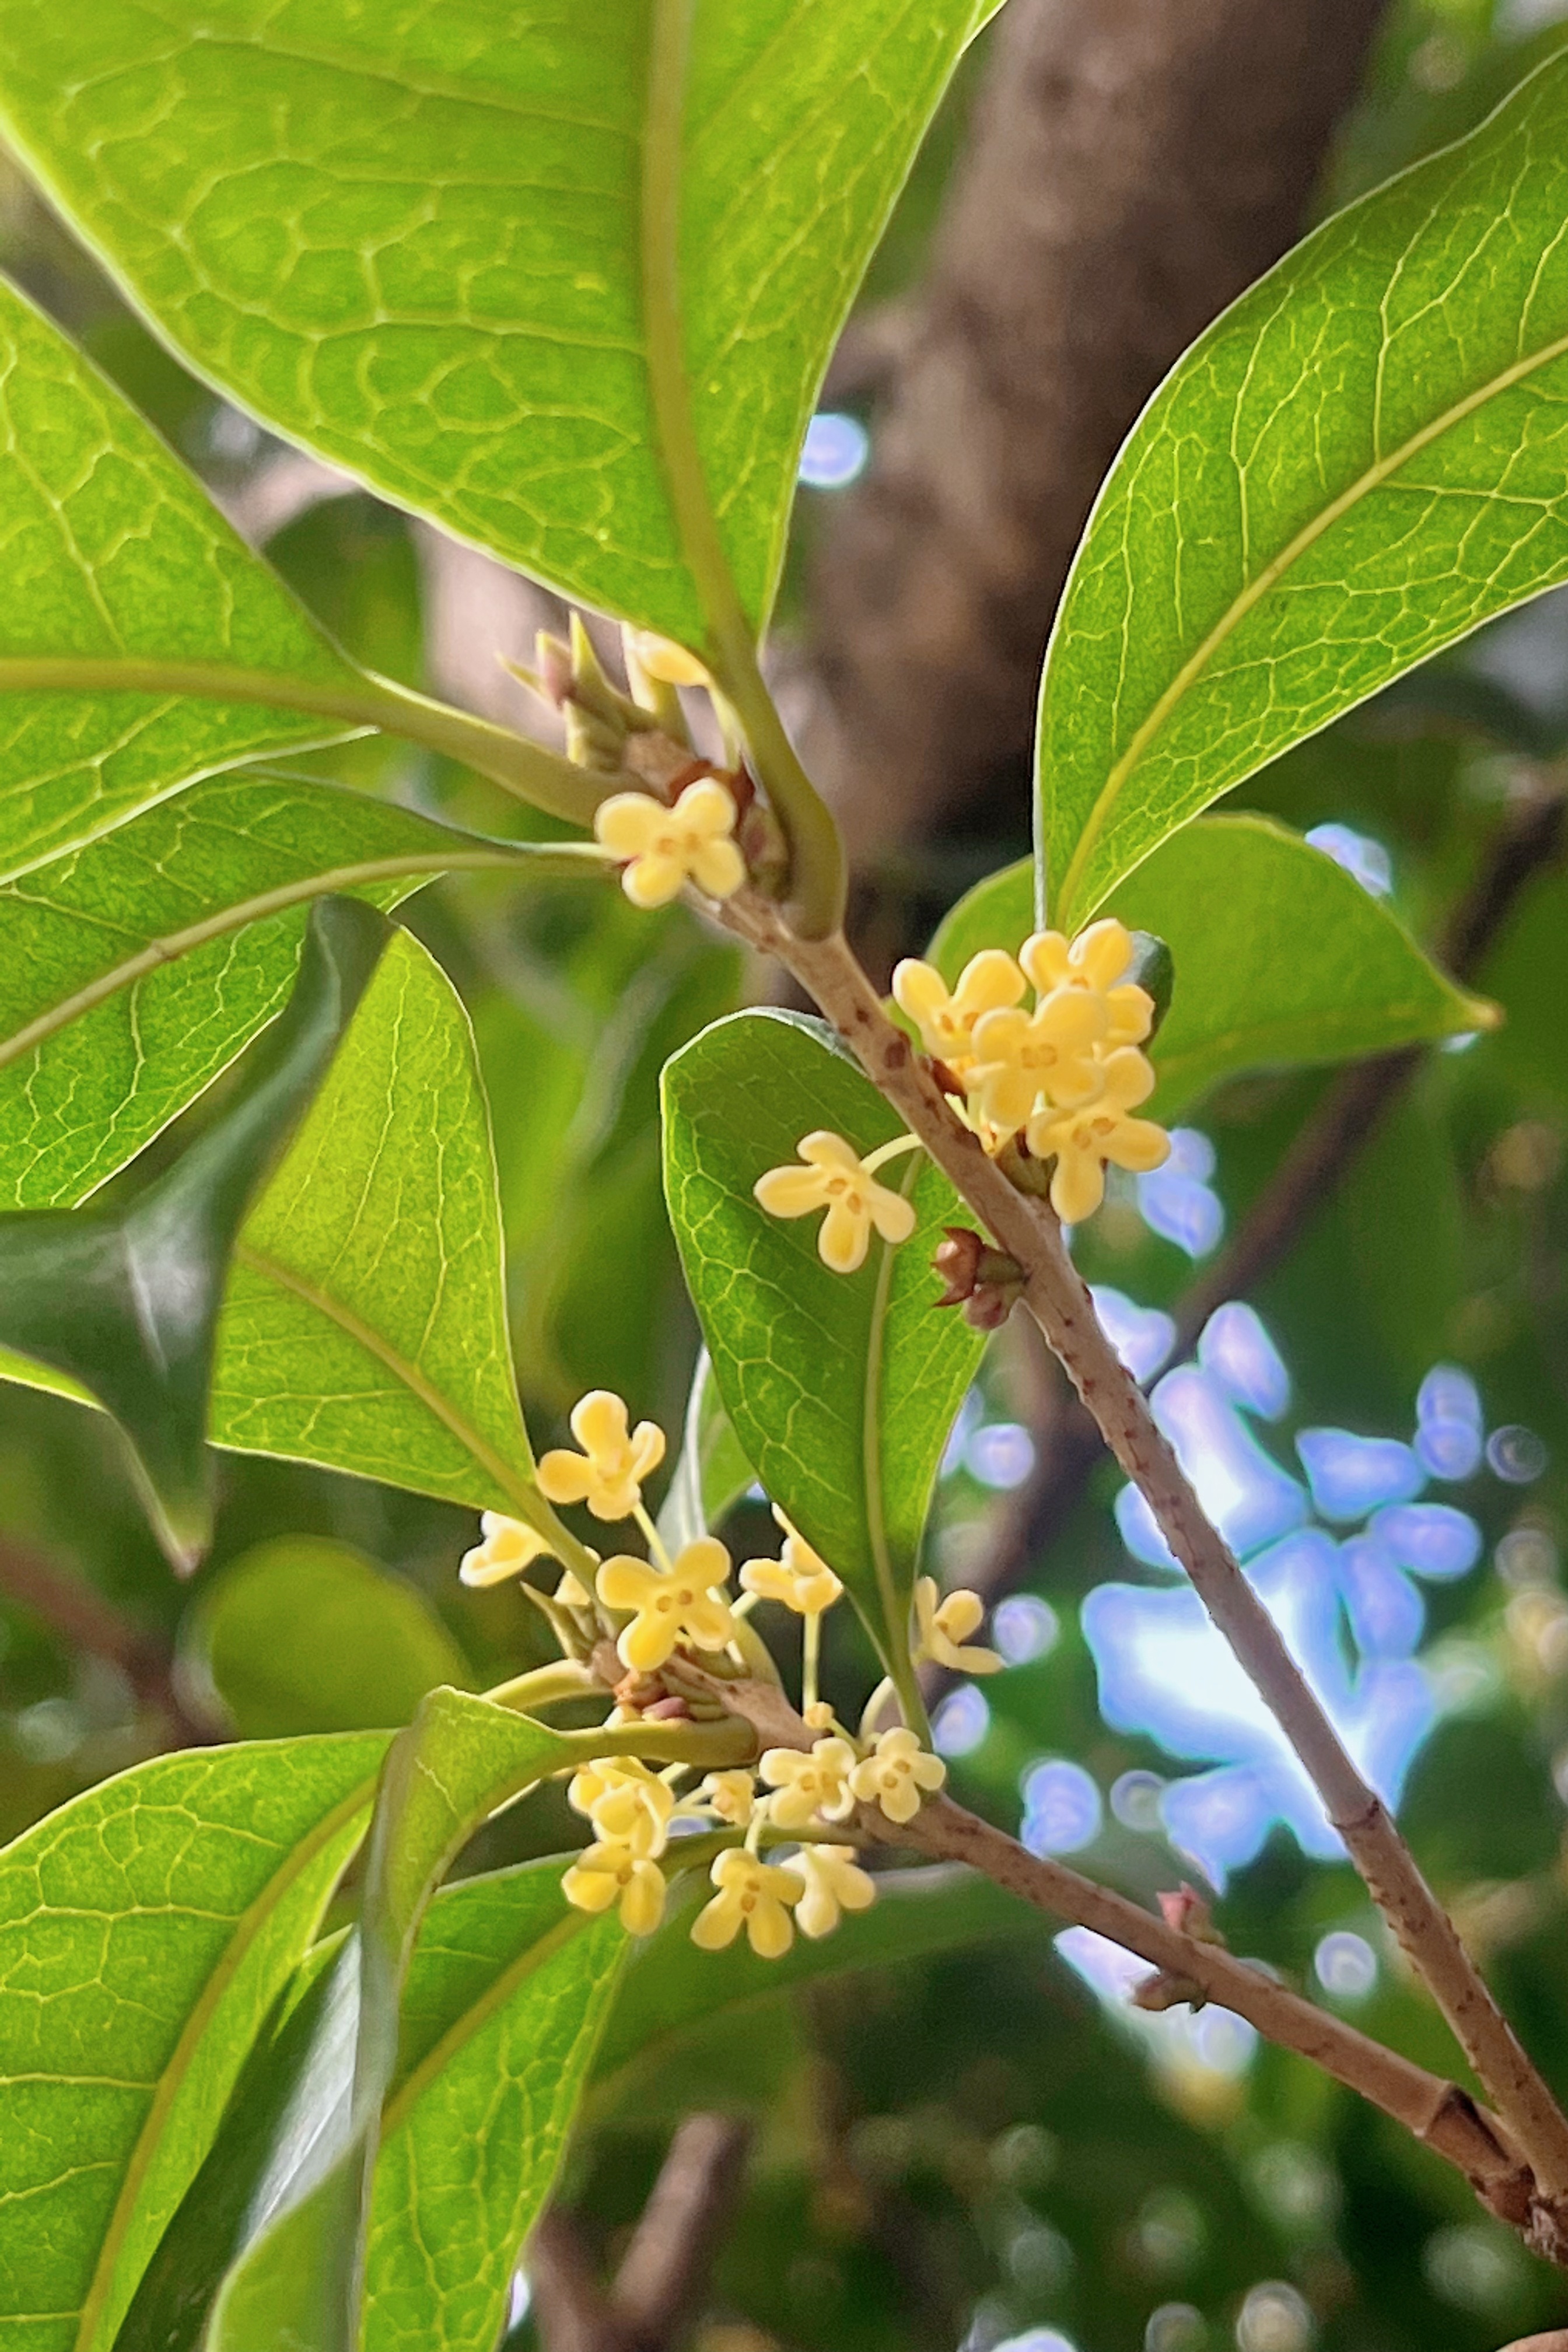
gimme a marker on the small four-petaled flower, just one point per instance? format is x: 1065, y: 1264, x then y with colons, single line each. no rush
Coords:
x: 668, y: 847
x: 833, y: 1176
x: 684, y: 1602
x: 608, y: 1473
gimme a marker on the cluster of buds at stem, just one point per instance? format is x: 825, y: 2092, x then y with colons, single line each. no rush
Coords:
x: 985, y: 1282
x: 642, y: 737
x: 1189, y: 1914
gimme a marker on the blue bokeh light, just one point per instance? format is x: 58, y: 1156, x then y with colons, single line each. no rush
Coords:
x: 836, y: 450
x: 1432, y: 1538
x: 1181, y: 1209
x: 1238, y: 1352
x: 1000, y: 1454
x: 960, y: 1722
x: 1358, y: 854
x: 1141, y: 1336
x: 1351, y: 1475
x: 1348, y: 1608
x: 1025, y: 1628
x: 1345, y: 1964
x: 1063, y: 1811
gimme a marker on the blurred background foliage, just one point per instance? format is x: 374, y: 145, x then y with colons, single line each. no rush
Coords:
x: 973, y: 2150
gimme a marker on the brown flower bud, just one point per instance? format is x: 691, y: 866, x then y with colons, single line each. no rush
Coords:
x: 957, y: 1260
x: 1189, y: 1914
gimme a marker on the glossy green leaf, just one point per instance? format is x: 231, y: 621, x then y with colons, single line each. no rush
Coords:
x: 114, y: 554
x: 305, y: 1635
x: 842, y: 1389
x: 125, y: 1301
x: 299, y: 2284
x: 437, y: 248
x: 712, y: 1473
x: 1362, y: 459
x: 365, y: 1324
x: 136, y: 968
x: 672, y: 1989
x: 507, y: 1999
x: 145, y: 1931
x: 1281, y: 957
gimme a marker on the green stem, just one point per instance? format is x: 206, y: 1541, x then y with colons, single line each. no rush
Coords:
x: 526, y: 769
x: 816, y: 853
x: 549, y: 1685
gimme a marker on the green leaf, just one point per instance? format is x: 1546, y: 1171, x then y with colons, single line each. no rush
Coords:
x: 1360, y: 461
x: 136, y: 968
x: 113, y: 554
x: 712, y: 1473
x: 299, y: 2283
x: 1281, y: 957
x: 841, y: 1389
x: 507, y: 1998
x: 125, y: 1301
x: 672, y: 1990
x: 440, y: 249
x: 365, y: 1322
x: 145, y: 1931
x: 304, y: 1635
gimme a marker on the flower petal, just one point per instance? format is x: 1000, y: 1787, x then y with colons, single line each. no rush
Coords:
x: 1138, y: 1143
x: 626, y: 1582
x: 893, y: 1216
x: 845, y: 1238
x: 718, y: 867
x: 564, y: 1477
x: 707, y: 808
x: 627, y: 823
x: 718, y: 1922
x: 1078, y: 1187
x: 789, y: 1192
x: 654, y: 880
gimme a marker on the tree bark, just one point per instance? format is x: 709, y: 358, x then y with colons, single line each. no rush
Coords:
x: 1133, y: 165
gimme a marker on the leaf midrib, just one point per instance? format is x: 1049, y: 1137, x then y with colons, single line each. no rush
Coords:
x: 246, y: 1928
x: 525, y: 1496
x: 496, y: 1993
x: 1372, y: 479
x: 172, y: 945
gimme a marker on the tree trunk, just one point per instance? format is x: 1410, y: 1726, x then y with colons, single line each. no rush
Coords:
x: 1133, y: 165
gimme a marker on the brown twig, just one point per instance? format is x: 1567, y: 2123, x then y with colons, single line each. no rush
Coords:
x: 1067, y: 1443
x: 666, y: 2265
x: 1554, y: 2340
x: 1056, y: 1296
x: 84, y: 1620
x: 1438, y: 2113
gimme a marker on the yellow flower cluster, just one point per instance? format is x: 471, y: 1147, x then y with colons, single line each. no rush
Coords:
x: 1066, y: 1076
x: 630, y: 1809
x: 662, y: 1603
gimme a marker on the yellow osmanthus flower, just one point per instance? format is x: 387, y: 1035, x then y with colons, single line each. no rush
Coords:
x: 732, y: 1796
x: 988, y: 982
x: 610, y: 1872
x: 895, y: 1774
x: 1096, y: 964
x: 1082, y: 1142
x: 684, y: 1603
x: 507, y: 1549
x: 627, y: 1804
x: 834, y: 1177
x: 752, y: 1895
x: 807, y: 1788
x: 834, y: 1882
x: 608, y: 1473
x: 944, y: 1627
x: 663, y: 659
x: 668, y: 847
x: 801, y: 1578
x: 1021, y: 1057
